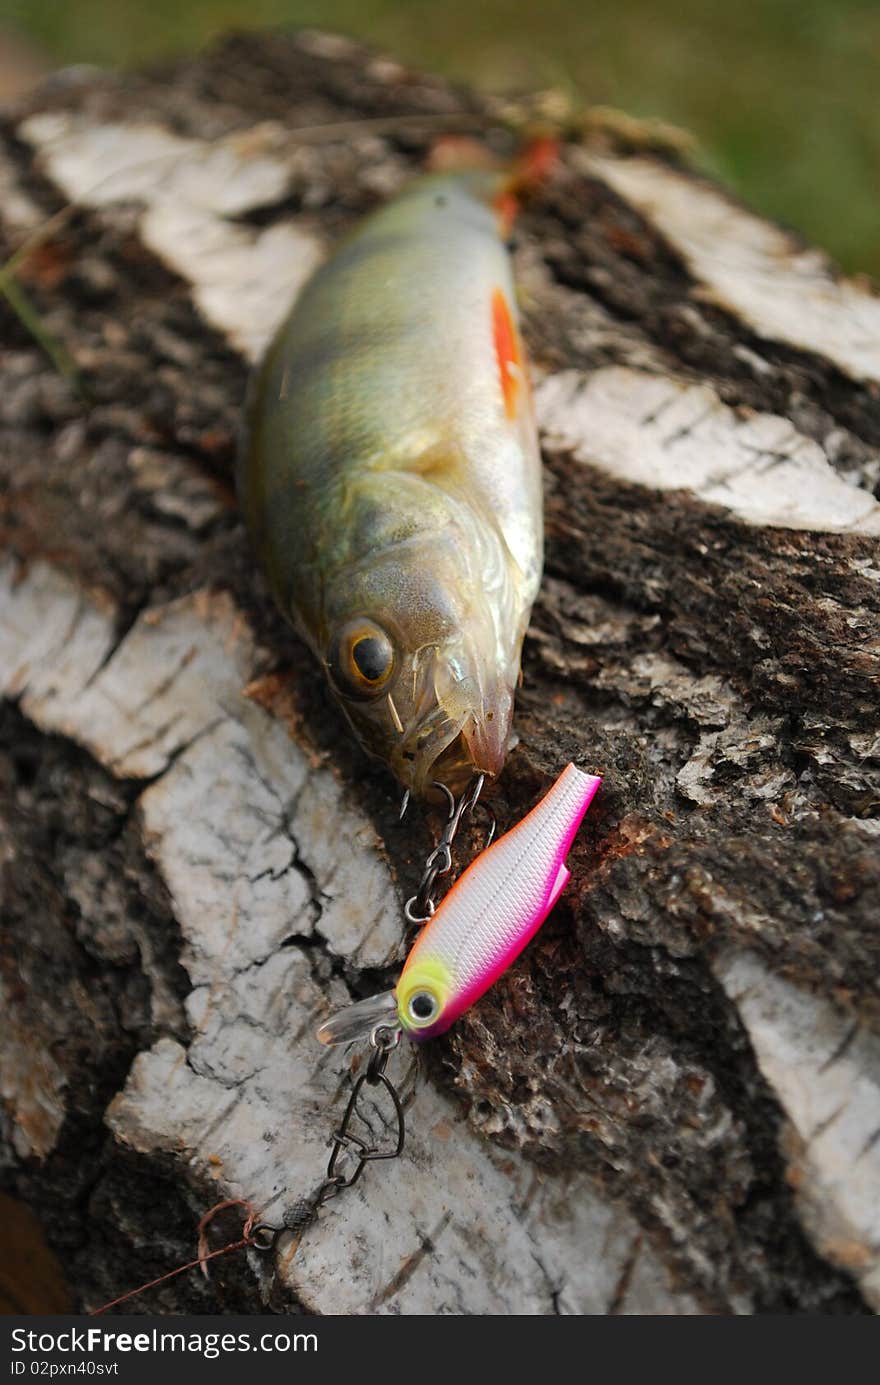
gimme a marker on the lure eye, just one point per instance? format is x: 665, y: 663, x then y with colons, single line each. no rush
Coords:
x: 361, y: 659
x: 422, y: 1008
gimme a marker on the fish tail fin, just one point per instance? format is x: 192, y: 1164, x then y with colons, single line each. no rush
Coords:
x: 559, y: 884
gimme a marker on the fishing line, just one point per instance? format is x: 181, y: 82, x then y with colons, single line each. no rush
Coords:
x: 264, y: 1236
x: 298, y: 1215
x: 172, y: 1274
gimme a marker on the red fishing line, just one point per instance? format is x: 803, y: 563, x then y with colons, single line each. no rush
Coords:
x: 203, y: 1256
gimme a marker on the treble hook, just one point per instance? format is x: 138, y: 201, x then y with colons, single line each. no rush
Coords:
x: 421, y: 906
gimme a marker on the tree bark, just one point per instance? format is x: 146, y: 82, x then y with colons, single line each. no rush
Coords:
x: 671, y: 1104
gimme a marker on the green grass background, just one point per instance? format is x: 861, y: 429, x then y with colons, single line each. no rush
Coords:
x: 782, y: 94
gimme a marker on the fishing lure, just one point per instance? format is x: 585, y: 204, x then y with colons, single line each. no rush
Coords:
x: 391, y: 477
x: 482, y: 925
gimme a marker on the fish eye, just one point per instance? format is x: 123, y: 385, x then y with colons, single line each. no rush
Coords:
x: 422, y: 1007
x: 361, y: 659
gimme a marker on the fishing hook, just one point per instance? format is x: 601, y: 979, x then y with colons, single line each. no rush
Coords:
x: 421, y: 906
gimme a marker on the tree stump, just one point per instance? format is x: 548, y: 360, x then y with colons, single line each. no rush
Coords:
x: 671, y: 1104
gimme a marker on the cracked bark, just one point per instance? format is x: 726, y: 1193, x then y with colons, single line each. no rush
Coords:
x: 671, y: 1104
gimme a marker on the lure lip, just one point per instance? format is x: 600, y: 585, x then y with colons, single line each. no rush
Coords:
x: 359, y: 1020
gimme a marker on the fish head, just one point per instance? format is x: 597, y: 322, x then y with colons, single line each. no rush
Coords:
x: 423, y: 666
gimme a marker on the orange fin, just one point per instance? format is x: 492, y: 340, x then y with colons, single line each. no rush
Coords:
x: 508, y: 353
x: 530, y: 168
x: 534, y: 162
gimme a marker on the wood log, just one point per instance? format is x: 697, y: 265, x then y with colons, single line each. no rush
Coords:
x: 671, y: 1104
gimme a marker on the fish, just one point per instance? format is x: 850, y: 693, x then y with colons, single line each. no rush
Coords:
x: 390, y: 477
x: 482, y: 924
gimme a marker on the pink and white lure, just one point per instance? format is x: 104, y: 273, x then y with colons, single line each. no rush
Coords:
x: 484, y: 922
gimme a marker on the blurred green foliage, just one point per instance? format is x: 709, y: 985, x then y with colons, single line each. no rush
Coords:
x: 781, y: 94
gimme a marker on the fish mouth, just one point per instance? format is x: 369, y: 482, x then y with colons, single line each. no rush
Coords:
x: 433, y: 751
x: 464, y: 731
x: 454, y: 766
x: 487, y: 736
